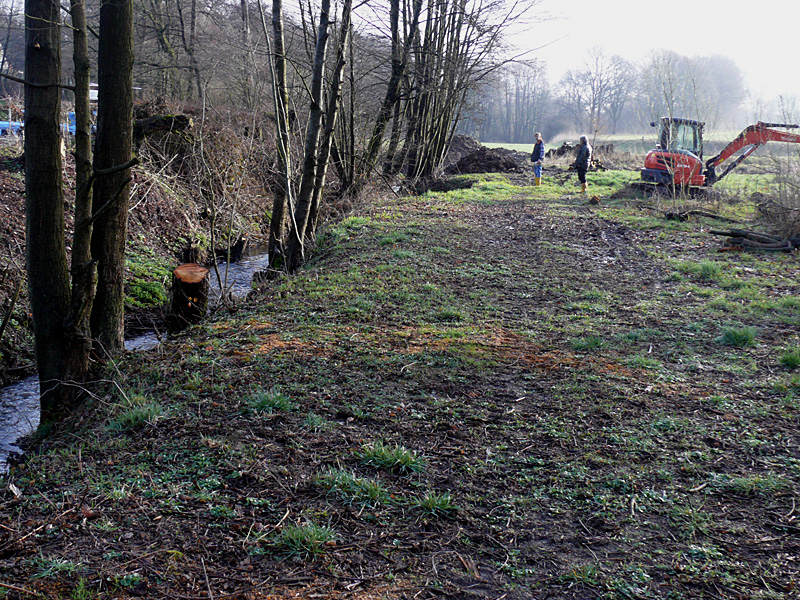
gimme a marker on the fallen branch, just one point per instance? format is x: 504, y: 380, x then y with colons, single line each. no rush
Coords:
x: 753, y: 240
x: 684, y: 216
x: 764, y: 238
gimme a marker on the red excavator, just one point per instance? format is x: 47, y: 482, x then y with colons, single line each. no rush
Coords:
x: 678, y: 157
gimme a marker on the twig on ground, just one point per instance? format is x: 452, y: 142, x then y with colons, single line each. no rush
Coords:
x: 18, y: 589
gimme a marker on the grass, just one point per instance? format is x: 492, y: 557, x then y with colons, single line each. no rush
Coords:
x: 738, y: 337
x: 790, y: 358
x: 305, y: 541
x: 51, y: 567
x: 768, y: 484
x: 434, y: 504
x: 353, y: 489
x: 392, y: 457
x: 139, y: 414
x: 269, y: 402
x: 591, y: 342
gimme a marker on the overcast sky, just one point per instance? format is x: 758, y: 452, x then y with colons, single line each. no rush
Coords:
x: 761, y: 36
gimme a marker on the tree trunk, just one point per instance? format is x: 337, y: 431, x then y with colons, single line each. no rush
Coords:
x: 84, y: 269
x: 283, y: 191
x: 334, y: 97
x: 295, y: 249
x: 113, y: 147
x: 190, y: 288
x: 400, y: 55
x: 48, y: 273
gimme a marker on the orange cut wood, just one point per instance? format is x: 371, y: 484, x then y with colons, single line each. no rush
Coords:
x: 190, y: 287
x: 190, y: 273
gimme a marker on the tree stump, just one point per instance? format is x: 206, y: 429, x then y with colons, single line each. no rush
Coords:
x: 189, y: 295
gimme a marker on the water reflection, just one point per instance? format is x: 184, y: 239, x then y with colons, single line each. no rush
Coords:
x: 147, y: 341
x: 237, y: 278
x: 19, y: 416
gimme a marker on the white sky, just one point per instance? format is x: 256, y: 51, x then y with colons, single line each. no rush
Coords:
x: 761, y: 36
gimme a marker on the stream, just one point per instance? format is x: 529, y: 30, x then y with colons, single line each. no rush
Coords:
x: 237, y: 277
x: 19, y: 403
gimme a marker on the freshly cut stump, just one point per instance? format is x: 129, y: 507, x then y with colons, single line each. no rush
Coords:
x: 189, y: 295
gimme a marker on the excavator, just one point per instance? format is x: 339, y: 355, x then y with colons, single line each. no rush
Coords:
x: 677, y: 161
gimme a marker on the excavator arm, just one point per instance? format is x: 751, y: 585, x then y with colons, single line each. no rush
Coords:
x: 752, y: 137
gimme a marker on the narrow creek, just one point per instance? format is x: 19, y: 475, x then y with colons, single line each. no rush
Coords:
x: 19, y: 403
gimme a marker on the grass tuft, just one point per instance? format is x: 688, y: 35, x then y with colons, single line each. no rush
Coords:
x: 306, y: 541
x: 353, y: 489
x: 591, y: 342
x: 136, y: 416
x: 269, y: 402
x: 435, y: 504
x: 753, y: 485
x: 394, y: 458
x: 790, y: 358
x: 738, y: 337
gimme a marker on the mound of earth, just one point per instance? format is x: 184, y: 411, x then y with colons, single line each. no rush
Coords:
x: 485, y: 160
x: 461, y: 146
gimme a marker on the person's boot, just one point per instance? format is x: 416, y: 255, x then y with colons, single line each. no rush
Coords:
x: 537, y: 181
x: 583, y: 188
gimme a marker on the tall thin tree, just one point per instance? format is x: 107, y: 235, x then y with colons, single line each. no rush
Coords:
x: 113, y: 148
x: 46, y: 258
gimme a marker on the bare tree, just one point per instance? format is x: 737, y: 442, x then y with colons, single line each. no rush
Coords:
x: 596, y: 94
x: 317, y: 143
x: 112, y: 191
x: 621, y: 84
x: 574, y: 97
x: 703, y: 88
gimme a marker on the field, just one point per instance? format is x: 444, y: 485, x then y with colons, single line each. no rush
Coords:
x: 498, y: 391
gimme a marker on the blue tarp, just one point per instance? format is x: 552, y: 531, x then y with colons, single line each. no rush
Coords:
x: 7, y: 127
x: 17, y: 127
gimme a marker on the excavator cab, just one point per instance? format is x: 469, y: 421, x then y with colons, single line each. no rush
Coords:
x: 681, y: 135
x: 677, y: 159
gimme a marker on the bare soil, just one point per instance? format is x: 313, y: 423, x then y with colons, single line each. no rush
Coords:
x: 557, y: 368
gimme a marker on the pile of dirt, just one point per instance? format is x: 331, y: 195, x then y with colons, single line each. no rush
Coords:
x: 485, y: 160
x: 567, y: 148
x: 562, y: 150
x: 461, y: 146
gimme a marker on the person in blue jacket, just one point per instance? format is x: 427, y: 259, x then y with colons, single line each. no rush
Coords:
x: 537, y: 156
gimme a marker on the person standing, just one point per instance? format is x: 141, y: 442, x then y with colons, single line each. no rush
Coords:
x: 582, y: 161
x: 537, y: 156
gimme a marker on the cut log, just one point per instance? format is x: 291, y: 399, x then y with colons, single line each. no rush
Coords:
x: 755, y: 241
x: 190, y: 288
x: 764, y: 238
x: 784, y: 246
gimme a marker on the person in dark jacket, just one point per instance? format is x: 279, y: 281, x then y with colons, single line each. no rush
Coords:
x: 582, y: 161
x: 537, y: 156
